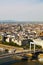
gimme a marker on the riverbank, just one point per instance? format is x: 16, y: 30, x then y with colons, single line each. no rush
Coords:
x: 19, y: 50
x: 11, y: 47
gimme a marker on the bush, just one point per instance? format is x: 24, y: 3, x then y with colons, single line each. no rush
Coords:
x: 10, y: 43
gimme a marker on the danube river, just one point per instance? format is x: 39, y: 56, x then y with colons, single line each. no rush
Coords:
x: 28, y: 63
x: 9, y: 61
x: 24, y: 63
x: 12, y: 61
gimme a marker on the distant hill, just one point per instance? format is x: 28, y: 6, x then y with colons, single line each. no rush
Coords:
x: 20, y: 22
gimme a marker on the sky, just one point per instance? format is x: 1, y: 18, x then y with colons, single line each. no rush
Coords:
x: 21, y: 10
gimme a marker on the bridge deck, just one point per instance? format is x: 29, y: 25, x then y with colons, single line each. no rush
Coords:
x: 19, y: 53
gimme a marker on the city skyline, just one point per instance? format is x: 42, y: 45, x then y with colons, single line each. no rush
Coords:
x: 21, y: 10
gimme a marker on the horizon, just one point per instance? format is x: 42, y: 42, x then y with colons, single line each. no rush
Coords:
x: 20, y: 22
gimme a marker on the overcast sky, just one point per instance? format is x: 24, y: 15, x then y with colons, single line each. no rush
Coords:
x: 21, y: 10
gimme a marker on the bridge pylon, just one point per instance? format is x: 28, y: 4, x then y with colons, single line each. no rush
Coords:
x: 31, y: 46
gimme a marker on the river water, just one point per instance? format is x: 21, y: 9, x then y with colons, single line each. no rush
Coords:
x: 28, y: 63
x: 19, y: 62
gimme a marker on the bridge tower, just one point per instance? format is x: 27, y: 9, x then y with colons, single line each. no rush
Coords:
x: 31, y: 46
